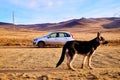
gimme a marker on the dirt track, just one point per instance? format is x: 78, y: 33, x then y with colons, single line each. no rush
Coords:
x: 20, y: 63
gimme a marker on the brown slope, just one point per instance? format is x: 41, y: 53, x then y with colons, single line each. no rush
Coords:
x: 75, y: 25
x: 115, y: 23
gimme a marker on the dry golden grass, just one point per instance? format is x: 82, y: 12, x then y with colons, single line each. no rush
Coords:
x: 25, y: 37
x: 18, y: 38
x: 19, y: 60
x: 21, y: 63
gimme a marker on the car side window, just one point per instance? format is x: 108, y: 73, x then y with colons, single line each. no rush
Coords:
x: 61, y: 34
x: 53, y: 35
x: 66, y: 35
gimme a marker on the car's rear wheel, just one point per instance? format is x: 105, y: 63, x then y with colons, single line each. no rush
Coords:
x: 41, y: 44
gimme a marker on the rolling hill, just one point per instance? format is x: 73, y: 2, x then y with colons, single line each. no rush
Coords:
x: 82, y: 24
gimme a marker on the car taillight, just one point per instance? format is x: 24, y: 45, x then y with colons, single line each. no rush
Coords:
x: 71, y: 35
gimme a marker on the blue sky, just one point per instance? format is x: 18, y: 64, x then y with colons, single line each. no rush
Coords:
x: 52, y: 11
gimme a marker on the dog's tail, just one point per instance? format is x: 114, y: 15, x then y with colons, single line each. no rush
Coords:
x: 62, y: 56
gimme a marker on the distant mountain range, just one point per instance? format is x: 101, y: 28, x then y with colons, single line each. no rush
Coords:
x: 4, y: 23
x: 81, y: 24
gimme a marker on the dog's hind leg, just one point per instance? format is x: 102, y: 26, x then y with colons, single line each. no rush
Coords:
x: 70, y: 58
x: 83, y: 61
x: 89, y: 58
x: 89, y: 61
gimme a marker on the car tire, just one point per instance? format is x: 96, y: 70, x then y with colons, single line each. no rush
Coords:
x: 41, y: 44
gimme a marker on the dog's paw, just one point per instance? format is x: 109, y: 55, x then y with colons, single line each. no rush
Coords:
x: 81, y: 67
x: 91, y: 68
x: 73, y: 69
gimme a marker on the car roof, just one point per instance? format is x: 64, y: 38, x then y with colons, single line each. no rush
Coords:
x: 59, y: 32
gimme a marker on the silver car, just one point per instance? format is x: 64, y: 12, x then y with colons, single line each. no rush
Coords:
x: 53, y: 38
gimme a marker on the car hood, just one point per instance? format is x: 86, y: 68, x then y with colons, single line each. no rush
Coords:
x: 39, y: 38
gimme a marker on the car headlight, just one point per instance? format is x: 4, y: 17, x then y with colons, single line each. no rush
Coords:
x: 35, y: 39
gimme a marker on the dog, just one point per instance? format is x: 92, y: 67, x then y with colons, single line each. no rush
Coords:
x: 85, y: 48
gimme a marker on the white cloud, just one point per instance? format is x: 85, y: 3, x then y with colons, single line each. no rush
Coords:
x: 15, y: 1
x: 50, y: 3
x: 25, y: 3
x: 59, y: 2
x: 45, y: 4
x: 32, y: 4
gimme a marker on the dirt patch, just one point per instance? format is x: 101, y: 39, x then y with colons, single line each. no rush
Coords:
x: 27, y: 63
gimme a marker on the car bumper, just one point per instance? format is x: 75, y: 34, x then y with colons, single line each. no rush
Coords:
x: 34, y: 43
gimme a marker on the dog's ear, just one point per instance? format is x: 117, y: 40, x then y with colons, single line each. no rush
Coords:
x: 98, y: 34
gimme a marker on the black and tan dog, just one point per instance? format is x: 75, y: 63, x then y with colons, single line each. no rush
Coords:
x: 85, y: 48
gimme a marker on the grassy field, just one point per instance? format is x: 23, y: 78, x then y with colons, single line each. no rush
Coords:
x: 25, y: 37
x: 20, y: 60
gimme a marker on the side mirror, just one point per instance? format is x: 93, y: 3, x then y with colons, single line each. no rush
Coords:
x: 48, y: 36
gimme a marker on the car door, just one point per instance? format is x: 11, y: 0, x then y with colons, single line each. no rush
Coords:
x: 63, y: 38
x: 52, y: 38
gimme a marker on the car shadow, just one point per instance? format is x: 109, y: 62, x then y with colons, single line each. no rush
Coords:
x: 29, y: 47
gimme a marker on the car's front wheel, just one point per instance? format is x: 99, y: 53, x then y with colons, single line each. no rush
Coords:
x: 41, y: 44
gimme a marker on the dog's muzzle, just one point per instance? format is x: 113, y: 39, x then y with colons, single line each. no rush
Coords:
x: 105, y: 42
